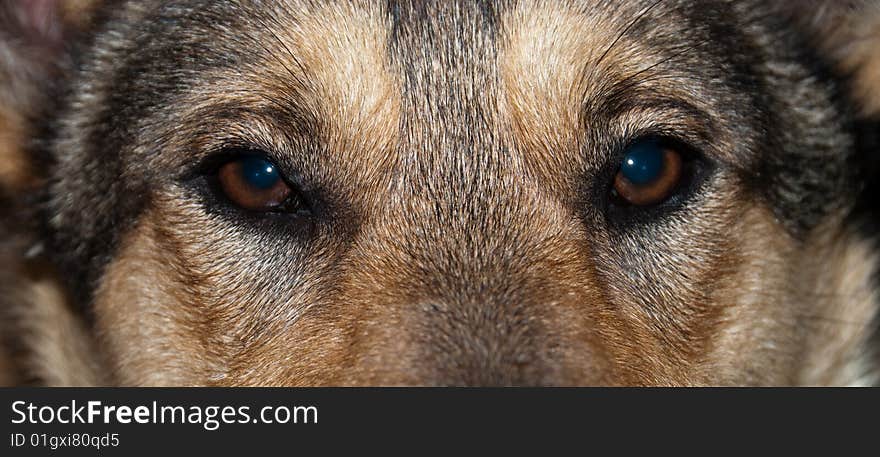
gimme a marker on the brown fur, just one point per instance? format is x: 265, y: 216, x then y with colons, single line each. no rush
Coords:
x: 453, y: 247
x: 850, y: 34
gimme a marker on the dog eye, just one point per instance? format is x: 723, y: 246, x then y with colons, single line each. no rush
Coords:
x: 649, y: 173
x: 255, y: 183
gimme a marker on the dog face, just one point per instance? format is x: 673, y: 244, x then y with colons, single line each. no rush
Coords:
x: 639, y: 193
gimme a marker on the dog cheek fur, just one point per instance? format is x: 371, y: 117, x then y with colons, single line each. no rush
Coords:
x: 795, y: 312
x: 143, y: 322
x: 172, y: 311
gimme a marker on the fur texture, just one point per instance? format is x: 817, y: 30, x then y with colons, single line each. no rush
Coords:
x: 455, y: 158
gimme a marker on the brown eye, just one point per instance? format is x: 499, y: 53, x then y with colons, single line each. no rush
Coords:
x: 649, y: 174
x: 254, y: 183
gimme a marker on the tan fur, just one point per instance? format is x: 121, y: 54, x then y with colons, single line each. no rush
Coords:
x: 543, y: 71
x: 8, y: 377
x: 862, y: 58
x: 77, y: 14
x: 843, y: 323
x: 162, y: 321
x: 13, y: 166
x: 191, y: 326
x: 418, y: 287
x: 64, y: 354
x: 15, y: 104
x: 342, y: 48
x: 851, y: 37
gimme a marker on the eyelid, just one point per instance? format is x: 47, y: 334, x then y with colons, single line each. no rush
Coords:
x: 666, y: 118
x: 250, y: 119
x: 219, y: 156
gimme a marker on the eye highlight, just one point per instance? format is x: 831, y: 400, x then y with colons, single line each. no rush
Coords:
x: 254, y: 183
x: 649, y: 173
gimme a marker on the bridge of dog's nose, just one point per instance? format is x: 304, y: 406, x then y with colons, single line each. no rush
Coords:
x: 484, y: 344
x: 441, y: 293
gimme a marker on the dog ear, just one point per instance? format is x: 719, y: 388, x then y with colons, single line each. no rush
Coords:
x: 34, y: 42
x: 45, y: 20
x: 847, y: 33
x: 41, y: 339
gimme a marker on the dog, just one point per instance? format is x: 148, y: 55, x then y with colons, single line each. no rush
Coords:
x: 513, y: 192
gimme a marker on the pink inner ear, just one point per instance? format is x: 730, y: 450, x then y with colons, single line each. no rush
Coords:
x: 40, y: 20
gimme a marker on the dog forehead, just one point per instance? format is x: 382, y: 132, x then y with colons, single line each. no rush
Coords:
x: 460, y: 75
x: 367, y: 68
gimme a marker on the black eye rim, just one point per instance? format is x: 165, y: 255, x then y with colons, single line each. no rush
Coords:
x: 696, y: 168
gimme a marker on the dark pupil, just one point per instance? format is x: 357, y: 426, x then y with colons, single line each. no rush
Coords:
x: 259, y: 173
x: 643, y: 163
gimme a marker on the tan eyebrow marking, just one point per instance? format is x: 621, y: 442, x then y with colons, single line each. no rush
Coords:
x: 546, y: 71
x: 329, y: 62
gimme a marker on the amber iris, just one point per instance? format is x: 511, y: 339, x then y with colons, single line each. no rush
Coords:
x: 254, y: 183
x: 649, y: 174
